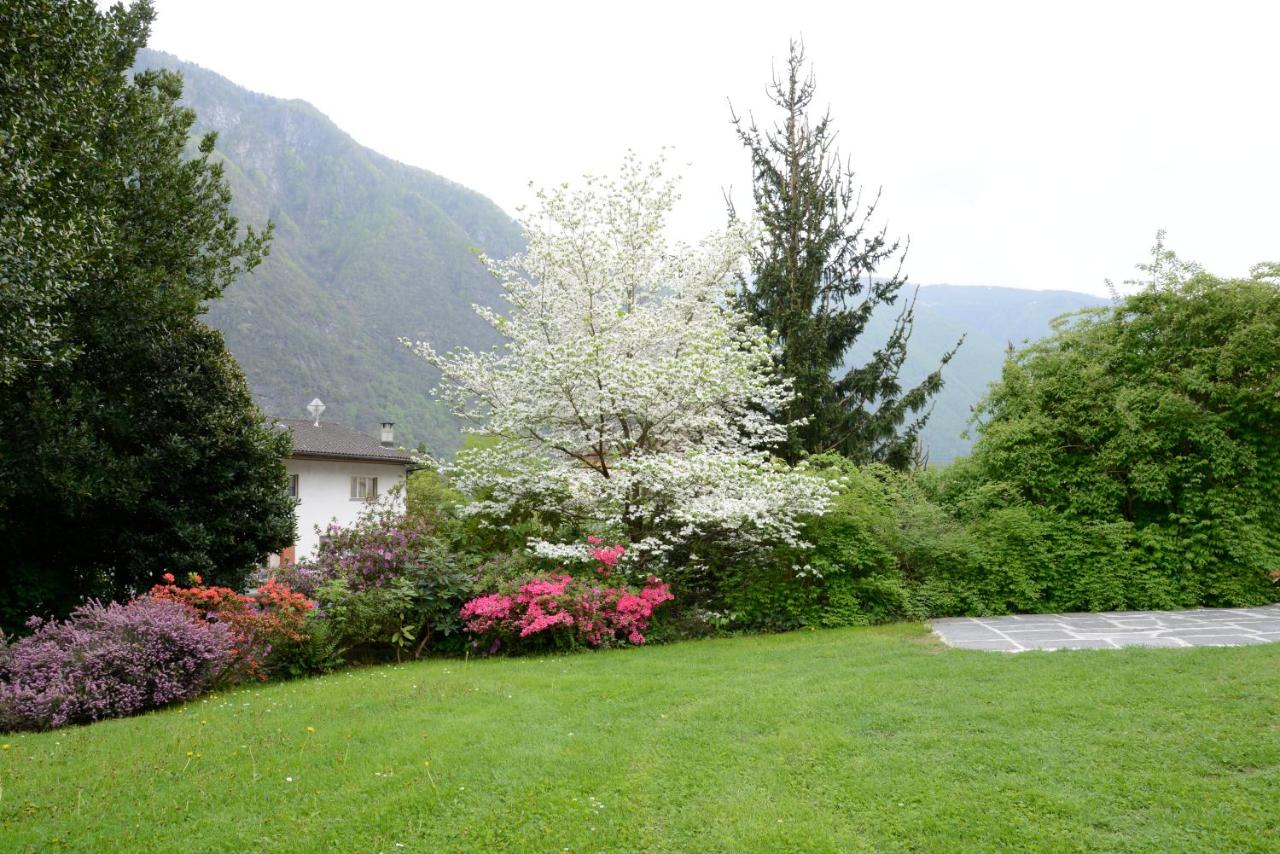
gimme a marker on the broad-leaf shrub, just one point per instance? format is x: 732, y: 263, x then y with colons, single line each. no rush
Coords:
x: 872, y: 552
x: 561, y: 611
x: 1140, y: 441
x: 108, y: 661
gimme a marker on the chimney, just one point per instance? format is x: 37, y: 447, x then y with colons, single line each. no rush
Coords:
x: 388, y: 435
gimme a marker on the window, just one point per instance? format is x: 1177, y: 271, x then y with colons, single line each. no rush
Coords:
x: 293, y: 486
x: 364, y: 488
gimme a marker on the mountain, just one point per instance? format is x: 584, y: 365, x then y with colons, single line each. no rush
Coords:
x: 366, y: 250
x: 990, y: 319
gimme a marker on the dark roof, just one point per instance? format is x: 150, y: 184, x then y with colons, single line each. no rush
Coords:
x: 336, y: 440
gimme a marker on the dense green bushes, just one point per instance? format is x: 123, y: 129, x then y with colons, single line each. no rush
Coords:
x: 1155, y: 422
x: 1131, y: 460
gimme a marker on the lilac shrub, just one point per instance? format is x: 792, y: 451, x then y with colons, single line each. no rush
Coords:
x: 108, y: 661
x: 386, y: 583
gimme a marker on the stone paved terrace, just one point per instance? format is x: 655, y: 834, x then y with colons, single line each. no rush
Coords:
x: 1113, y: 629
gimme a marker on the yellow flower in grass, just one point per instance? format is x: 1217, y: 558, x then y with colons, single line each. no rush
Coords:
x: 311, y: 729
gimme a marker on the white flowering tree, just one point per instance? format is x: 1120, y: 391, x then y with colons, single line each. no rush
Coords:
x: 630, y: 396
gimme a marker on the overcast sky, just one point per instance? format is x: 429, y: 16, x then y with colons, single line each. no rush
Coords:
x: 1022, y: 144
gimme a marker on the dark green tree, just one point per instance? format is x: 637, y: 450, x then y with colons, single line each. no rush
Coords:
x: 129, y: 441
x: 815, y: 283
x: 59, y: 87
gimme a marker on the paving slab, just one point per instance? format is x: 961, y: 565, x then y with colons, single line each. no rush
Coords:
x: 1113, y: 629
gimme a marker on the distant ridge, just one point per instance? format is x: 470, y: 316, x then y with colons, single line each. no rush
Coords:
x: 990, y: 318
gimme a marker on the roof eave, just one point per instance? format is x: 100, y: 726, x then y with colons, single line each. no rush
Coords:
x: 361, y: 458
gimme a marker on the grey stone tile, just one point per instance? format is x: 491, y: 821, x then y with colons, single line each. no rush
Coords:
x: 1260, y: 625
x: 1077, y: 643
x: 967, y: 631
x: 1026, y: 636
x: 1197, y: 627
x: 1202, y: 632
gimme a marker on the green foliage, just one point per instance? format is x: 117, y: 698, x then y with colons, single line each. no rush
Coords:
x: 138, y: 449
x: 814, y: 284
x: 367, y: 618
x: 318, y: 651
x: 61, y: 92
x: 866, y: 561
x: 386, y: 583
x: 1142, y: 440
x: 429, y: 496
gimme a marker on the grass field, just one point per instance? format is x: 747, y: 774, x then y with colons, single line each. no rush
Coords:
x: 859, y: 739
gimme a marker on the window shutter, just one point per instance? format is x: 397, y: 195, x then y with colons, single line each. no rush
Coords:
x: 373, y: 488
x: 353, y: 488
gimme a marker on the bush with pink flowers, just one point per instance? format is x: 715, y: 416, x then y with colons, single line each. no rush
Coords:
x: 561, y: 611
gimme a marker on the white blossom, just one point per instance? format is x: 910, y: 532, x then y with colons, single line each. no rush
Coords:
x: 630, y: 394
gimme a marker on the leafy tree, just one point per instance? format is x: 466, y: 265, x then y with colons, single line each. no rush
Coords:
x: 814, y: 283
x: 629, y: 398
x: 1158, y: 414
x: 60, y: 86
x: 130, y: 445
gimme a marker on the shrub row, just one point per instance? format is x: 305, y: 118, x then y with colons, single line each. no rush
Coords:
x: 911, y: 546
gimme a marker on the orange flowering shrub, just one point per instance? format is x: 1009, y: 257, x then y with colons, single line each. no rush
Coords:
x: 272, y: 617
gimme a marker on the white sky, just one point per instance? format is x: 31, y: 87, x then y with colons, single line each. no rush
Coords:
x: 1021, y: 144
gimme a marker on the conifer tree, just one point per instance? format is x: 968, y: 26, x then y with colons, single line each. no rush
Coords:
x: 815, y: 282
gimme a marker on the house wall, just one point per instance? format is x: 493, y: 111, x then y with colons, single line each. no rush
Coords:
x: 324, y: 494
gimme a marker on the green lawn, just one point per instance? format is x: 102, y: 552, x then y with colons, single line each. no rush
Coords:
x: 859, y: 739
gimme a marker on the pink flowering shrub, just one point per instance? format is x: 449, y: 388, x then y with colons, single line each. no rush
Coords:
x: 606, y: 557
x: 563, y: 611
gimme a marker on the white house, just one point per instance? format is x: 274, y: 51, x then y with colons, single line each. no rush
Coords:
x: 334, y: 473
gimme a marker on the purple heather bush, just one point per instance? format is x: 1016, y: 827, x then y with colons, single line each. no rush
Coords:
x: 107, y: 661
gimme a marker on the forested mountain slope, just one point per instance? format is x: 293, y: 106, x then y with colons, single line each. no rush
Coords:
x: 366, y: 250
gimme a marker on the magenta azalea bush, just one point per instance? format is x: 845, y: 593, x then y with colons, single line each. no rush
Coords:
x: 107, y: 661
x: 560, y: 610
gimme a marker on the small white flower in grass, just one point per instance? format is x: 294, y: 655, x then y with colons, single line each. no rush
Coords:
x: 288, y: 779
